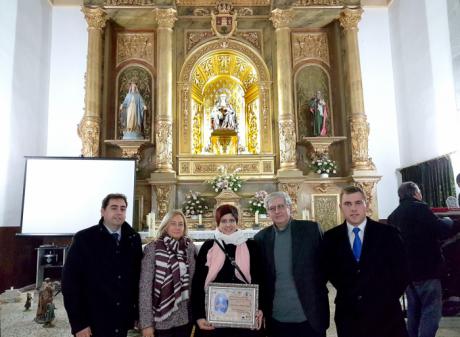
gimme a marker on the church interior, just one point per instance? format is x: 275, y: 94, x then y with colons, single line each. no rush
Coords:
x: 225, y: 101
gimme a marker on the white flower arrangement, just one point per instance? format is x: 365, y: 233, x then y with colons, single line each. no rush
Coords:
x: 226, y: 181
x: 323, y: 164
x: 194, y: 204
x: 256, y: 204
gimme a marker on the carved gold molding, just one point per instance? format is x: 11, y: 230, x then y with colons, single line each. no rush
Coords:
x: 368, y: 187
x: 95, y: 17
x: 198, y: 3
x: 326, y: 210
x: 163, y: 193
x: 281, y: 18
x: 310, y: 46
x: 135, y: 46
x: 129, y: 2
x: 349, y: 18
x: 319, y: 3
x: 89, y: 131
x: 287, y: 141
x: 164, y: 145
x: 291, y: 189
x: 323, y: 187
x: 359, y: 143
x: 207, y: 167
x: 165, y: 17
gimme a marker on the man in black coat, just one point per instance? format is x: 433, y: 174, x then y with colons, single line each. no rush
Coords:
x: 364, y: 260
x: 421, y: 231
x: 295, y: 299
x: 100, y: 279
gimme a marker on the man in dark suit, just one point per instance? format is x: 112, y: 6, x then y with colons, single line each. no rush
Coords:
x: 364, y: 260
x: 421, y: 231
x: 294, y: 294
x: 100, y: 279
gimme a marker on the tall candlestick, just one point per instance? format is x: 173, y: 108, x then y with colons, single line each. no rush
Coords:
x: 147, y: 222
x: 152, y: 219
x: 256, y: 214
x: 200, y: 219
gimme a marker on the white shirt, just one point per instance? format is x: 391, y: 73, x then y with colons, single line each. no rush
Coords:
x: 351, y: 235
x: 111, y: 232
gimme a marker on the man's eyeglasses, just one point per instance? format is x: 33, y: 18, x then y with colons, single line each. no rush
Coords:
x: 274, y: 208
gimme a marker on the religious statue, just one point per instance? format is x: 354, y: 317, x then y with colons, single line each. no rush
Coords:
x: 132, y: 114
x: 28, y: 303
x: 45, y: 296
x: 49, y: 315
x: 223, y: 116
x: 318, y: 108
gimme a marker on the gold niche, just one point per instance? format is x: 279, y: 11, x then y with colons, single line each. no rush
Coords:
x: 225, y: 105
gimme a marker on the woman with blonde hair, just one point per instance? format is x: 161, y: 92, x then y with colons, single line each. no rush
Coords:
x: 228, y: 258
x: 167, y: 269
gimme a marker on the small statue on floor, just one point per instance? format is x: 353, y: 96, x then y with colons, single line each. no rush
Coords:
x: 28, y: 302
x: 49, y: 315
x: 45, y: 296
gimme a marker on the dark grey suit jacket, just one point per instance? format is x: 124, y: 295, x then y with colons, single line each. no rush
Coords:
x: 309, y: 280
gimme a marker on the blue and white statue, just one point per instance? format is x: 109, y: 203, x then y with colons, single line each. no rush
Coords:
x: 132, y: 114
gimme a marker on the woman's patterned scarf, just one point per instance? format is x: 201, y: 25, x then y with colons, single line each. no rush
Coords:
x: 171, y: 279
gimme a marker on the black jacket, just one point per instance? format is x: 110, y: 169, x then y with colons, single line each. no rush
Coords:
x: 421, y: 231
x: 225, y: 275
x: 309, y: 280
x: 368, y: 291
x: 100, y: 281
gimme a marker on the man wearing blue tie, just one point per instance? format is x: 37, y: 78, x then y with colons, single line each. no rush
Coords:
x: 364, y: 260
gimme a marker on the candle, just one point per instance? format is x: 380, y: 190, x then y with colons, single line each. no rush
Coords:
x: 256, y: 214
x: 154, y: 230
x: 305, y: 214
x: 147, y: 221
x: 200, y: 219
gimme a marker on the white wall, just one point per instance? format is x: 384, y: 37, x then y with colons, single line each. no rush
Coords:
x: 379, y: 102
x: 29, y: 100
x: 427, y: 117
x: 67, y: 92
x: 8, y: 33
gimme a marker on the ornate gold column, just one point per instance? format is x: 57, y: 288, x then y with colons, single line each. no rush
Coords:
x: 90, y: 125
x: 164, y: 98
x: 363, y: 173
x: 349, y: 19
x: 286, y: 120
x: 163, y: 180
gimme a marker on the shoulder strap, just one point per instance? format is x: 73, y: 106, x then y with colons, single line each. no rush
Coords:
x: 232, y: 261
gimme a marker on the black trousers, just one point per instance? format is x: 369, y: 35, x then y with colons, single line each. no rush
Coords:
x: 178, y: 331
x: 282, y: 329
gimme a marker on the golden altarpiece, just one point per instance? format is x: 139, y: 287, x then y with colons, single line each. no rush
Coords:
x: 228, y: 83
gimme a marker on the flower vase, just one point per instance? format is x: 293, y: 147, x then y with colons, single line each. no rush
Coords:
x: 324, y: 175
x: 263, y: 216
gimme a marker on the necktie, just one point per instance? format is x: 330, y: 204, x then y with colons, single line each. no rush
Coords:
x: 116, y: 237
x: 357, y: 244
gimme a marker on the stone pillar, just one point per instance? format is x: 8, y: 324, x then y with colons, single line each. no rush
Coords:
x: 90, y: 125
x: 349, y: 19
x: 286, y: 118
x: 164, y: 102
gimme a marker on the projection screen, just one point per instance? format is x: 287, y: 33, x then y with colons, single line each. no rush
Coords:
x: 63, y: 195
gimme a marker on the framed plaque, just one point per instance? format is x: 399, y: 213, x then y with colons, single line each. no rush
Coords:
x: 232, y: 305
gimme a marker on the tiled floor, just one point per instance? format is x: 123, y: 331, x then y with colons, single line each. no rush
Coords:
x: 18, y: 323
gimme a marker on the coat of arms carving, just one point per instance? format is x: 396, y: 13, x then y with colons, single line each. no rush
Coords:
x: 223, y: 22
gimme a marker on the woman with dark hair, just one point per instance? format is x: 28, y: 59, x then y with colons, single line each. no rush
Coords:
x: 165, y: 283
x: 213, y: 265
